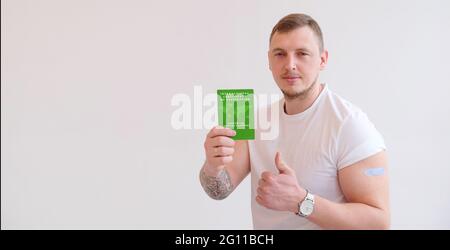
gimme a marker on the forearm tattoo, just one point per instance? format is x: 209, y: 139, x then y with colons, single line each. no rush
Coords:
x: 218, y: 187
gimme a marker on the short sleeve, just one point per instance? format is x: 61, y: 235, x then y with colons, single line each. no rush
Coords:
x: 357, y: 139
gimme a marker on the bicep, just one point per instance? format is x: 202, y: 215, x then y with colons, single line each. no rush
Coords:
x: 239, y: 168
x: 367, y: 181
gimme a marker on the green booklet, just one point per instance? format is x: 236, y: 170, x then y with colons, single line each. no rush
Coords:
x: 236, y: 112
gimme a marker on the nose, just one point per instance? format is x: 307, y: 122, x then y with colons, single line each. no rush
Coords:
x: 291, y: 63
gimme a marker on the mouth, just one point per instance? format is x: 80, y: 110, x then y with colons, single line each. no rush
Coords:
x: 291, y: 78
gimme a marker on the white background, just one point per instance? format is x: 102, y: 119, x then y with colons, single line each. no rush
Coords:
x: 86, y: 85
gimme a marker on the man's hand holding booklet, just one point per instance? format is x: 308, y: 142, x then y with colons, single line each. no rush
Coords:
x: 236, y: 111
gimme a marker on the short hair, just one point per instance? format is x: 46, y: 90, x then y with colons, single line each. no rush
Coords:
x: 297, y: 20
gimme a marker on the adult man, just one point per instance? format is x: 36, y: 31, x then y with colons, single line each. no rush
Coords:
x: 327, y: 169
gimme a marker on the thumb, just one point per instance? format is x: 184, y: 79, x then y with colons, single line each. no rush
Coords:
x: 283, y: 167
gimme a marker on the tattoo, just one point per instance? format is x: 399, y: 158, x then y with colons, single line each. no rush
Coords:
x: 218, y: 187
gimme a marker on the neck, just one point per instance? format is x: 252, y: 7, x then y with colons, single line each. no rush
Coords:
x: 298, y: 105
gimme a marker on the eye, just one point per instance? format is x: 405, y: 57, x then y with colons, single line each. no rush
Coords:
x: 279, y: 54
x: 302, y: 53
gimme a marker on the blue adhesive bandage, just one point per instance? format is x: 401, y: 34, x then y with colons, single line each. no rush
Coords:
x: 374, y: 171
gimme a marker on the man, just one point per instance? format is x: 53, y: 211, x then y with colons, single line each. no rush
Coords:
x: 327, y: 169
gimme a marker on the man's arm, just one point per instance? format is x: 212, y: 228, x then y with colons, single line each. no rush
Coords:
x: 365, y: 185
x: 220, y: 180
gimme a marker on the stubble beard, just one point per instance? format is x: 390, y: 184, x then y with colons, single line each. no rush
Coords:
x: 301, y: 95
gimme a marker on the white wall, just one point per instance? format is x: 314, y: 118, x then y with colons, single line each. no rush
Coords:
x: 86, y: 88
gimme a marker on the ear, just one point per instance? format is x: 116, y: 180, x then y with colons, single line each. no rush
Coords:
x: 268, y: 59
x: 323, y: 59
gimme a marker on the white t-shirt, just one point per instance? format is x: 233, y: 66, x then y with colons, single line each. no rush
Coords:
x: 317, y: 143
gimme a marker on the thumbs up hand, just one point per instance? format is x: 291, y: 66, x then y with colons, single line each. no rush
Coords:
x: 282, y: 167
x: 280, y: 191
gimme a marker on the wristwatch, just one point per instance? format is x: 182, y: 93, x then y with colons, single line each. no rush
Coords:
x: 306, y: 207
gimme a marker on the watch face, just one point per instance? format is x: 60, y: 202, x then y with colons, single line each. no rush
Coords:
x: 307, y: 207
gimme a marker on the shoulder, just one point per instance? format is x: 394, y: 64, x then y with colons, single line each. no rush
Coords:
x: 342, y: 118
x: 340, y: 109
x: 356, y: 137
x: 350, y: 120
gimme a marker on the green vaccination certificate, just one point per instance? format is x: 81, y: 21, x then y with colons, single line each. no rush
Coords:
x: 236, y: 112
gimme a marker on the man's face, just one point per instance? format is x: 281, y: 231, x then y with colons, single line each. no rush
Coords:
x: 295, y: 60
